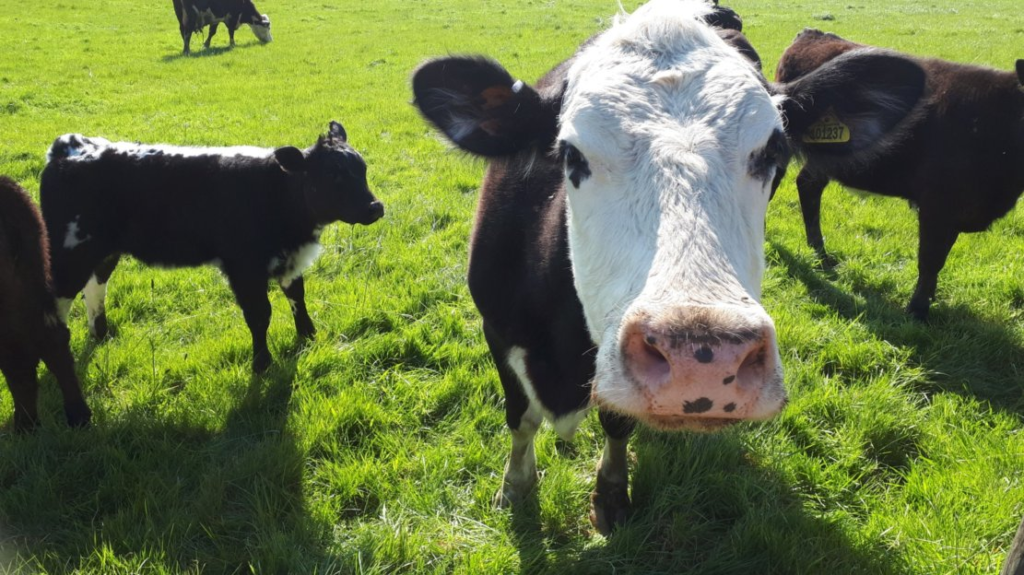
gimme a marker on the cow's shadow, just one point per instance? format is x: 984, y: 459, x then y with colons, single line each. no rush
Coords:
x: 224, y: 497
x: 700, y: 513
x: 963, y: 353
x: 211, y: 52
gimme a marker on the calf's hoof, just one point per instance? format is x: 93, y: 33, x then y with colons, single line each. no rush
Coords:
x: 609, y: 506
x: 25, y: 423
x: 307, y: 333
x: 78, y: 414
x: 98, y: 329
x: 261, y: 363
x: 511, y: 494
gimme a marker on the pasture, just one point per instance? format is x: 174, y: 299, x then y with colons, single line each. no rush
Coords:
x: 377, y: 448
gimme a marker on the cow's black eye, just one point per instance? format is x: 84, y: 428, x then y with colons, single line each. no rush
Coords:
x: 576, y: 167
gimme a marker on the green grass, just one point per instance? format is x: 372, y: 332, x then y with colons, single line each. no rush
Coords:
x: 377, y: 448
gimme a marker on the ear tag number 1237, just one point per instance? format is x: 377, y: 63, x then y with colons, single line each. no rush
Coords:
x: 827, y: 130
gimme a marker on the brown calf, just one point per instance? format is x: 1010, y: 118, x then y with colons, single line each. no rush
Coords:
x: 29, y: 328
x: 955, y: 150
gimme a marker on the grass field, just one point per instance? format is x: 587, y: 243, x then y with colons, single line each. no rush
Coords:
x: 377, y: 448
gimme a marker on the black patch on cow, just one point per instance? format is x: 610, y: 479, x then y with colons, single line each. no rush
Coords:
x: 1020, y: 71
x: 770, y: 159
x: 729, y: 407
x: 704, y: 354
x: 702, y: 405
x: 576, y: 166
x: 729, y: 380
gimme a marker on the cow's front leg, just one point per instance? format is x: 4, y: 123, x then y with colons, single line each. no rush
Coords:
x: 231, y: 32
x: 251, y: 294
x: 56, y: 354
x: 609, y: 503
x: 209, y: 37
x: 295, y: 291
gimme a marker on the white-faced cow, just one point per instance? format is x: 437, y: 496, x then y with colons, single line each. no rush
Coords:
x: 954, y: 148
x: 618, y: 248
x: 256, y: 213
x: 194, y: 15
x: 29, y: 328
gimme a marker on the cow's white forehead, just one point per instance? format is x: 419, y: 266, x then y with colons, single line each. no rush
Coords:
x: 663, y: 65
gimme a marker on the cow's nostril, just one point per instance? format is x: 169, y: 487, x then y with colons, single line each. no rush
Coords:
x: 651, y: 364
x: 752, y: 368
x: 704, y: 354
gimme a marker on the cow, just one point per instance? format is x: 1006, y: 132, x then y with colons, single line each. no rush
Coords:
x: 1014, y: 562
x: 194, y: 15
x: 724, y: 18
x: 29, y: 328
x: 617, y: 253
x: 956, y: 151
x: 256, y: 213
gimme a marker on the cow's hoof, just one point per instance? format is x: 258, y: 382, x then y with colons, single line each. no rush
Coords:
x: 261, y: 363
x: 307, y: 333
x: 98, y: 329
x: 609, y: 506
x: 918, y: 311
x: 78, y: 414
x: 511, y: 494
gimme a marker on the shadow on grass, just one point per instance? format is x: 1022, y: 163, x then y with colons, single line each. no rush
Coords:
x: 210, y: 52
x: 964, y: 353
x: 158, y: 486
x: 701, y: 506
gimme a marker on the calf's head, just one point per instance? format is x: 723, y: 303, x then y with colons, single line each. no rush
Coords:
x: 332, y: 176
x: 667, y: 141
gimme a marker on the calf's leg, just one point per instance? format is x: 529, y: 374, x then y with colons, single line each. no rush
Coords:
x: 295, y: 291
x: 209, y: 37
x: 609, y: 503
x: 251, y: 295
x: 56, y: 354
x: 95, y: 293
x: 523, y: 420
x: 18, y: 366
x: 810, y: 187
x: 935, y: 238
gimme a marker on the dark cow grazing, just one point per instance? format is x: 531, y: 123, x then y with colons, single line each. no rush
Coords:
x: 29, y: 328
x: 954, y: 147
x: 619, y: 241
x: 194, y: 15
x: 724, y: 17
x: 256, y: 213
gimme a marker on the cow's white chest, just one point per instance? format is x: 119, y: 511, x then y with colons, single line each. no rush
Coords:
x: 290, y: 264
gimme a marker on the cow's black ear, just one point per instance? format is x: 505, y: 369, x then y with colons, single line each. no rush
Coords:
x: 1020, y: 71
x: 290, y: 159
x: 851, y: 103
x: 337, y: 132
x: 480, y: 107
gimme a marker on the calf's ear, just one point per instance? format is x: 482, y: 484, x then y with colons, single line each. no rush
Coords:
x: 852, y: 102
x: 1020, y: 71
x: 337, y: 132
x: 290, y: 159
x: 480, y: 107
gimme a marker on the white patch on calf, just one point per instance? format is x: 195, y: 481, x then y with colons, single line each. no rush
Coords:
x: 73, y: 237
x: 79, y: 148
x: 566, y: 425
x: 95, y: 293
x: 294, y: 263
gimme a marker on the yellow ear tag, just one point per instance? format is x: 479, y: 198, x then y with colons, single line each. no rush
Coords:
x: 827, y: 130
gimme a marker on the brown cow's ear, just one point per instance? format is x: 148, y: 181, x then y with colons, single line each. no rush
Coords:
x: 480, y: 107
x: 852, y: 103
x: 1020, y: 71
x: 290, y: 159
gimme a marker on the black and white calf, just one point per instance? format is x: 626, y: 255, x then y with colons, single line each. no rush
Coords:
x: 618, y: 249
x: 29, y: 328
x: 194, y: 15
x: 256, y: 213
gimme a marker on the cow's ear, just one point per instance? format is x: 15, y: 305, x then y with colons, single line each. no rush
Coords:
x: 1020, y: 71
x: 851, y: 103
x: 480, y: 107
x: 290, y: 159
x: 337, y: 132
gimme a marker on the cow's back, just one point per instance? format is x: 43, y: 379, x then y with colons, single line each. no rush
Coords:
x: 809, y: 50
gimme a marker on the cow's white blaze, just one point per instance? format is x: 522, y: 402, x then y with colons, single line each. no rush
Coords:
x: 262, y: 30
x: 666, y: 117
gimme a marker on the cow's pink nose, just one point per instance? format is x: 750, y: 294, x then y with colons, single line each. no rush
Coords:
x: 699, y: 370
